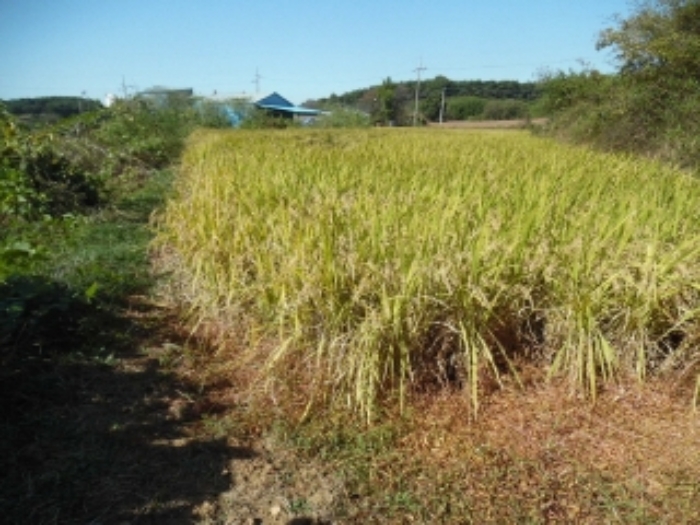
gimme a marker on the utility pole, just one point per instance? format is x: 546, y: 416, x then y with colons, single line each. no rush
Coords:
x: 418, y: 72
x: 442, y: 104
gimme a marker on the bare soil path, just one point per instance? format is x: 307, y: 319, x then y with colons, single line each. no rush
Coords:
x: 122, y: 438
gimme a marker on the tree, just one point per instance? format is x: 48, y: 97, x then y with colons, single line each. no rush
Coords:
x: 505, y: 110
x: 660, y: 40
x: 60, y: 106
x: 385, y: 108
x: 464, y: 108
x: 433, y: 96
x: 394, y: 101
x: 652, y: 106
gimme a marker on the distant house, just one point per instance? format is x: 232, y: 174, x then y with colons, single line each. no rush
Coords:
x: 161, y: 96
x: 236, y: 108
x: 278, y: 106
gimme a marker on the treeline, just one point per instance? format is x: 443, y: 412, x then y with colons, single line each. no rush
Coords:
x: 394, y: 102
x: 489, y: 89
x: 50, y: 108
x: 652, y: 104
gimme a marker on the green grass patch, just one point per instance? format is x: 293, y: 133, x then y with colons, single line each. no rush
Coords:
x: 63, y: 330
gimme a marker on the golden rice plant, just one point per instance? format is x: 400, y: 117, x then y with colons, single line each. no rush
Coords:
x: 381, y: 260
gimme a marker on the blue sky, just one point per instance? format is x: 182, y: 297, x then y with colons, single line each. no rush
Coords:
x: 303, y: 49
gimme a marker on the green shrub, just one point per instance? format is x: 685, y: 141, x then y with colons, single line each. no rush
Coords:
x: 341, y: 117
x: 621, y: 113
x: 652, y: 105
x: 505, y: 110
x: 141, y: 133
x: 464, y: 108
x: 18, y: 200
x: 262, y: 119
x: 36, y: 168
x: 70, y: 166
x: 38, y: 314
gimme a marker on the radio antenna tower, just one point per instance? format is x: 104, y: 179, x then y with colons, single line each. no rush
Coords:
x: 256, y: 81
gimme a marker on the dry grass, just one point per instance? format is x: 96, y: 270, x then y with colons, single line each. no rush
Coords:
x: 538, y: 456
x: 564, y: 460
x: 542, y: 454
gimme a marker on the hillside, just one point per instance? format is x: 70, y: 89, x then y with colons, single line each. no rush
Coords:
x: 394, y: 102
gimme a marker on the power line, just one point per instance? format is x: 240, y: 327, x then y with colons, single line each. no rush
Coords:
x: 126, y: 88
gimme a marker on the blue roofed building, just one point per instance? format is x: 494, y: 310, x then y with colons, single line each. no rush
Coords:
x: 239, y: 107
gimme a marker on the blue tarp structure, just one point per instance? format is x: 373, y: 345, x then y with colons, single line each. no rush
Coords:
x: 234, y: 111
x: 234, y: 117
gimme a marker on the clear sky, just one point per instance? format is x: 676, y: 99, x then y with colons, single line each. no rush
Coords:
x: 302, y: 49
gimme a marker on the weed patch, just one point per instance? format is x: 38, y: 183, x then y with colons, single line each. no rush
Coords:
x: 91, y: 427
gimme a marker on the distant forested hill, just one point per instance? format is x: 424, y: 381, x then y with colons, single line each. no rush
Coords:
x: 56, y: 107
x: 394, y: 102
x: 492, y: 89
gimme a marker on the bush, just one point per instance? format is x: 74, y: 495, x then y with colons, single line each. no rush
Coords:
x: 341, y: 117
x: 620, y: 112
x: 652, y: 105
x: 505, y: 110
x: 69, y: 166
x: 36, y: 175
x: 261, y: 119
x: 50, y: 175
x: 144, y: 134
x: 464, y: 108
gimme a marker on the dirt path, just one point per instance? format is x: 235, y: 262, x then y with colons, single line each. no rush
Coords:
x: 123, y: 439
x: 206, y: 475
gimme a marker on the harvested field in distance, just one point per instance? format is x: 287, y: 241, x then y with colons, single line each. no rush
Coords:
x: 361, y: 266
x: 488, y: 124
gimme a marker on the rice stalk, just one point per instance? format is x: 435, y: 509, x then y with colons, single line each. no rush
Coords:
x: 367, y: 253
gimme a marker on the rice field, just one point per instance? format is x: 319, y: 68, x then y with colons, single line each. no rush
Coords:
x: 364, y: 265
